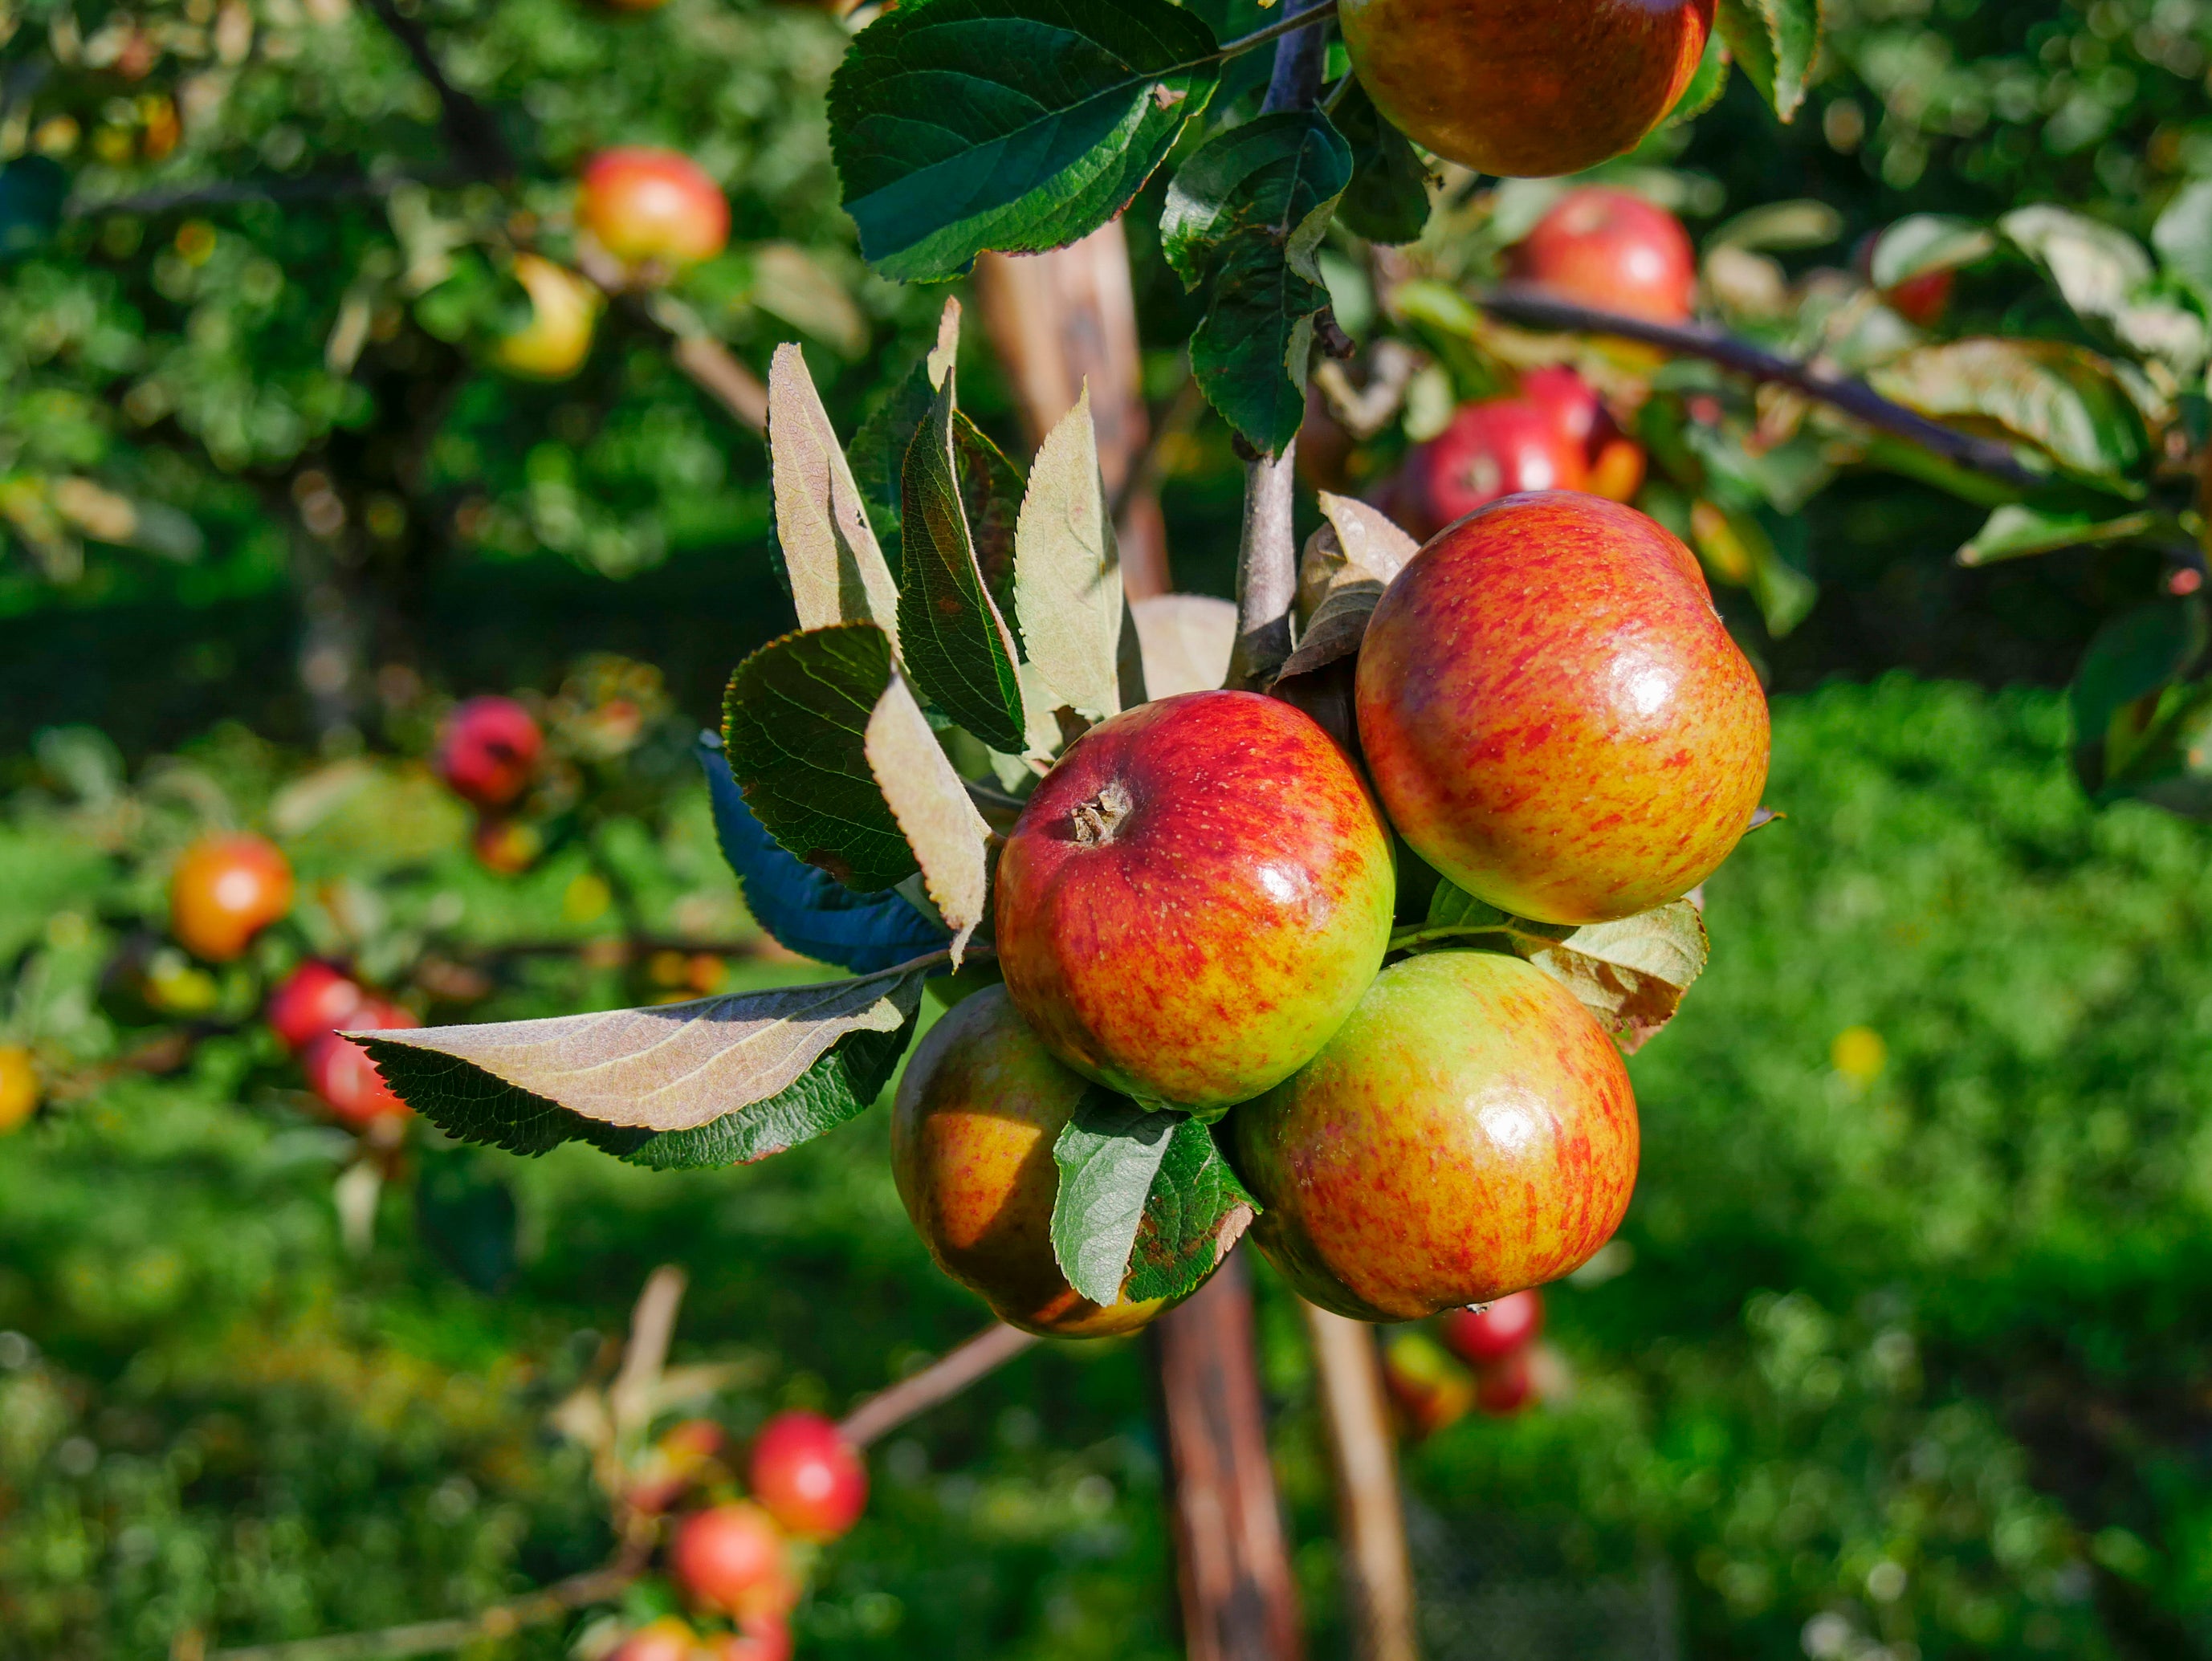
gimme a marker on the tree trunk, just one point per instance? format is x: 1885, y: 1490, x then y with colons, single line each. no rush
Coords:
x: 1239, y: 1603
x: 1060, y: 320
x: 1378, y: 1572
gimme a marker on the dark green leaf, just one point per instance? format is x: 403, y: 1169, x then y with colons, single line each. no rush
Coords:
x: 1388, y: 200
x: 1196, y: 1211
x: 795, y: 727
x: 2019, y: 529
x: 1775, y: 42
x: 2134, y: 656
x: 2065, y: 400
x: 1107, y: 1154
x: 955, y: 643
x: 32, y: 191
x: 962, y: 126
x: 466, y: 1217
x: 879, y: 455
x: 722, y: 1081
x: 991, y: 491
x: 1923, y: 242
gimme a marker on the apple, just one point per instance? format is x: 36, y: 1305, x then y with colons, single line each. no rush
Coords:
x: 19, y: 1088
x: 758, y: 1638
x: 1922, y: 300
x: 668, y: 1639
x: 1486, y: 1334
x: 1432, y: 1390
x: 505, y: 847
x: 227, y: 888
x: 1615, y: 462
x: 1507, y: 1387
x: 811, y: 1480
x: 564, y: 308
x: 1612, y: 249
x: 643, y: 204
x: 1470, y: 1133
x: 731, y: 1557
x: 488, y: 751
x: 686, y: 1455
x: 1500, y: 447
x: 1195, y: 898
x: 314, y: 999
x: 340, y: 1072
x: 1555, y: 717
x: 978, y: 1110
x: 1526, y: 89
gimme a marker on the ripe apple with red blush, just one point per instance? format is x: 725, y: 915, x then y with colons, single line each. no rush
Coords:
x: 1497, y: 448
x: 1614, y: 463
x: 1526, y: 88
x: 1555, y: 715
x: 226, y: 889
x: 489, y: 750
x: 1194, y: 899
x: 732, y: 1558
x: 1486, y: 1334
x: 1612, y: 249
x: 812, y: 1481
x: 644, y: 204
x: 315, y: 999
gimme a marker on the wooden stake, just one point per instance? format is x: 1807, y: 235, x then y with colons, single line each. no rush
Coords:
x: 1371, y: 1518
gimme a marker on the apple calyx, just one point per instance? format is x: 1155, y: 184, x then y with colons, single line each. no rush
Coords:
x: 1098, y: 819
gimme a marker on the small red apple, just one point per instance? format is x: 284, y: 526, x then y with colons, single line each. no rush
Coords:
x: 19, y: 1088
x: 811, y: 1480
x: 1432, y: 1390
x: 1921, y: 300
x: 1195, y: 898
x: 1468, y: 1132
x: 979, y: 1107
x: 1506, y: 1387
x: 732, y: 1558
x: 643, y: 204
x: 340, y: 1072
x: 1616, y: 462
x: 1500, y: 447
x: 1528, y: 88
x: 668, y: 1639
x: 488, y: 751
x: 225, y: 891
x: 314, y: 999
x: 1612, y: 249
x: 1555, y: 715
x: 758, y: 1638
x: 1486, y: 1334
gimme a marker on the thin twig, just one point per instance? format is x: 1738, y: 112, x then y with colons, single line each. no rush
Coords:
x: 1297, y: 18
x: 471, y: 129
x: 942, y: 1380
x: 1528, y: 308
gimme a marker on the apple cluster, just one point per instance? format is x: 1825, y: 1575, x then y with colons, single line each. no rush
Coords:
x: 1195, y: 911
x: 738, y: 1559
x: 1489, y: 1359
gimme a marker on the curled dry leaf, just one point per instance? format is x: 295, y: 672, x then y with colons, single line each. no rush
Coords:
x: 1347, y: 564
x: 1186, y: 640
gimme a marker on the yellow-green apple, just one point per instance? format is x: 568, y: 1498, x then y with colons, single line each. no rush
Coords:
x: 563, y: 307
x: 1468, y: 1132
x: 978, y: 1110
x: 1195, y: 898
x: 642, y: 203
x: 227, y: 889
x: 19, y: 1087
x: 811, y: 1480
x: 1553, y: 714
x: 1528, y: 88
x: 1612, y: 249
x: 1497, y: 448
x: 1431, y: 1389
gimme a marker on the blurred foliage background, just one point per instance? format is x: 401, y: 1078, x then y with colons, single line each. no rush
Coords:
x: 1902, y: 1355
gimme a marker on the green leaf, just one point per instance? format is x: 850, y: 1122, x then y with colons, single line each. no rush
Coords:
x: 962, y: 125
x: 1244, y: 218
x: 991, y: 489
x: 2065, y: 400
x: 1388, y: 199
x: 878, y: 449
x: 1776, y: 42
x: 957, y: 644
x: 2016, y: 529
x: 795, y: 727
x: 2182, y: 237
x: 1706, y: 85
x: 1067, y: 573
x: 1800, y: 222
x: 2135, y: 655
x: 1919, y: 244
x: 1147, y: 1208
x: 723, y: 1080
x: 1632, y: 974
x: 2106, y: 276
x: 835, y: 566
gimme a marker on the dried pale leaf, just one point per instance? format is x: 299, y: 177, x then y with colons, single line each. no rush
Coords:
x: 1631, y: 974
x: 674, y: 1066
x: 1068, y: 575
x: 947, y: 350
x: 1337, y: 627
x: 838, y: 572
x: 1347, y: 564
x: 1186, y: 640
x: 931, y: 803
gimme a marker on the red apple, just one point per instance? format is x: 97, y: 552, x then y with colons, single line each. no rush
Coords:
x: 1921, y: 300
x: 1528, y: 88
x: 1470, y: 1133
x: 563, y: 310
x: 1612, y: 250
x: 225, y: 891
x: 758, y: 1638
x: 732, y: 1558
x: 19, y: 1088
x: 1195, y: 898
x: 1505, y: 1387
x: 1432, y: 1390
x: 340, y: 1072
x: 314, y: 999
x: 668, y: 1639
x: 979, y: 1107
x: 1486, y: 1334
x: 643, y: 204
x: 488, y: 751
x: 811, y: 1480
x: 1615, y: 461
x: 1555, y: 717
x: 1500, y: 447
